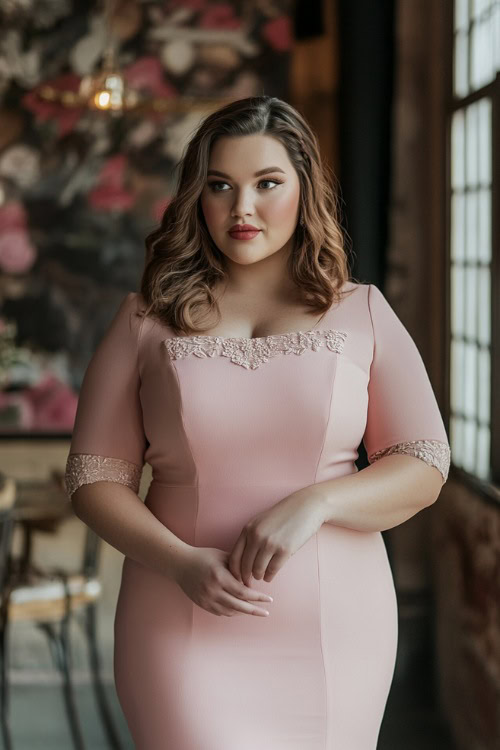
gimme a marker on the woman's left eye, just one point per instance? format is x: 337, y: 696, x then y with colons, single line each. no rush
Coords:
x: 213, y: 185
x: 276, y: 182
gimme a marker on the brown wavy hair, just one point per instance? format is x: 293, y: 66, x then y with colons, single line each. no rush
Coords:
x: 183, y: 264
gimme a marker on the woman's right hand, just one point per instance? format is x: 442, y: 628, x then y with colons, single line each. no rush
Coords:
x: 204, y: 576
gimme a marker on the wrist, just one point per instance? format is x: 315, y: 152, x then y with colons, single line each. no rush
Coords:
x: 316, y: 500
x: 177, y: 555
x: 323, y: 507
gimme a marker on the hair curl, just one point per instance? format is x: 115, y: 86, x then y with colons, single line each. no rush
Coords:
x: 183, y: 264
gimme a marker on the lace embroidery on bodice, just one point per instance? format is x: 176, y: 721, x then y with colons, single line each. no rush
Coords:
x: 433, y: 452
x: 252, y: 352
x: 86, y: 468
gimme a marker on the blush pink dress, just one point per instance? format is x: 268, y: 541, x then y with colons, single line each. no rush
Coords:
x: 230, y: 426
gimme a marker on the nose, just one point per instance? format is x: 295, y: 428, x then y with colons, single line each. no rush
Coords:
x: 243, y: 204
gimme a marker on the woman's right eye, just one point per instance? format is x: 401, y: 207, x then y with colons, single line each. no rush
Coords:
x: 212, y: 186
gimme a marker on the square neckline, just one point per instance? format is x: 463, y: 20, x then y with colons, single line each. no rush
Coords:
x: 215, y: 337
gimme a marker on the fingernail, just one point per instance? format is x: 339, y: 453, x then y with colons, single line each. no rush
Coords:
x: 270, y: 598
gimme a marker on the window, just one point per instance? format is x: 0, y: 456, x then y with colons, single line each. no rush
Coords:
x: 472, y: 255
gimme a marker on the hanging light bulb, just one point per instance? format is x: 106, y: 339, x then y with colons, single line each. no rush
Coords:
x: 107, y: 90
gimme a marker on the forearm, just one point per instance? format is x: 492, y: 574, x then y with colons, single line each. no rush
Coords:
x: 383, y: 495
x: 120, y: 517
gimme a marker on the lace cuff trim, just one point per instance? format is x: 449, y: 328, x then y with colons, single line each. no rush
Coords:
x: 86, y: 468
x: 251, y: 353
x: 433, y: 452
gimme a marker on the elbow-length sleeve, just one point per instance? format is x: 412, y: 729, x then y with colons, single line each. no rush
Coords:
x: 108, y: 441
x: 403, y: 414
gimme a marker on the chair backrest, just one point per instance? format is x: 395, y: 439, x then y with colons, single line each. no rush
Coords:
x: 91, y: 554
x: 7, y: 492
x: 7, y: 500
x: 92, y: 547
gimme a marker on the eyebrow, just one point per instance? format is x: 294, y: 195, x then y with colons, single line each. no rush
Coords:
x: 257, y: 174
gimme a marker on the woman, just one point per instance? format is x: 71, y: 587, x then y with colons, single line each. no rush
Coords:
x: 251, y: 424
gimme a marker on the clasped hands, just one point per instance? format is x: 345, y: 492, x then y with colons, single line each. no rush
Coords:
x: 270, y: 538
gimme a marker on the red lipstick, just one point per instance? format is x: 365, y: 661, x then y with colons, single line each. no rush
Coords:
x: 243, y: 231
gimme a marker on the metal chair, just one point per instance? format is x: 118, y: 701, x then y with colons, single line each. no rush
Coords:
x: 50, y: 598
x: 7, y: 499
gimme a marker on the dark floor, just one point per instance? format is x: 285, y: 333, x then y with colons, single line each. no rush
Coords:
x: 38, y: 722
x: 38, y: 719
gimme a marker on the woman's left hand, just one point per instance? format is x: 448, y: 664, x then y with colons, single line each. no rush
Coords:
x: 269, y: 539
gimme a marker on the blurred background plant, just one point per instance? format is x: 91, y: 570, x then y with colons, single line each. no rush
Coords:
x: 13, y: 358
x: 33, y: 394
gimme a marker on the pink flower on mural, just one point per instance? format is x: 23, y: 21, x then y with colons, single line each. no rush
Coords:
x: 110, y: 192
x: 66, y: 117
x: 12, y: 216
x: 17, y: 254
x: 159, y: 207
x: 146, y: 73
x: 110, y: 199
x: 278, y: 33
x: 220, y: 16
x: 54, y: 404
x: 113, y: 171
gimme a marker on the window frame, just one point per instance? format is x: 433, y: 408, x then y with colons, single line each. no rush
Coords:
x: 489, y: 490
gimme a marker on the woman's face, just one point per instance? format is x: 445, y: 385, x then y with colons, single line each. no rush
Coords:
x: 235, y: 194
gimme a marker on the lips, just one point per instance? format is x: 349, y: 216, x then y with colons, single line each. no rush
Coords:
x: 244, y: 235
x: 243, y: 228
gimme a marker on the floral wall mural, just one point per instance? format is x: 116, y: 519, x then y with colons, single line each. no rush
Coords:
x: 80, y: 189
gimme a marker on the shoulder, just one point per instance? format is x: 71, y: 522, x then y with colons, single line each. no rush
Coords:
x: 378, y: 302
x: 132, y: 306
x: 129, y: 315
x: 369, y: 293
x: 133, y: 301
x: 359, y: 291
x: 369, y: 302
x: 361, y: 287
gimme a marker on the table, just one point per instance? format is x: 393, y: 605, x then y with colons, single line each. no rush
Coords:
x: 40, y: 505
